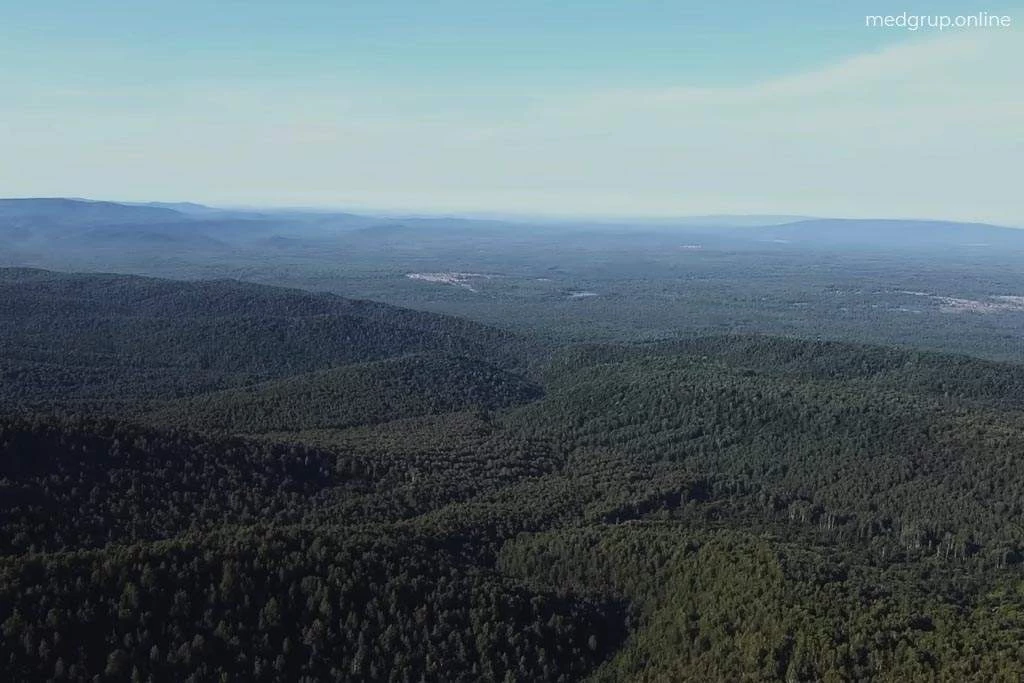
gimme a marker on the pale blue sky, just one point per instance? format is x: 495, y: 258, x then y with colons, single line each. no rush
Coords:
x: 629, y: 107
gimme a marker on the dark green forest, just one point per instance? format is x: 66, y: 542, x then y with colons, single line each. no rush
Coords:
x: 214, y: 480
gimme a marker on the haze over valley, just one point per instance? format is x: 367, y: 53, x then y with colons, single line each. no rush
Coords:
x: 926, y: 284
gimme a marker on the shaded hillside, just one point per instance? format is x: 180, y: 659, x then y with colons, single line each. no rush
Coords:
x: 294, y: 541
x: 363, y: 393
x: 350, y: 605
x: 76, y: 485
x: 74, y: 338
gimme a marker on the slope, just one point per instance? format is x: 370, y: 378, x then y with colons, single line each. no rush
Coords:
x: 75, y: 339
x: 350, y: 395
x: 736, y: 508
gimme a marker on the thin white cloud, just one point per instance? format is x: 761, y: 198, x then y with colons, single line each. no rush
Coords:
x: 932, y: 127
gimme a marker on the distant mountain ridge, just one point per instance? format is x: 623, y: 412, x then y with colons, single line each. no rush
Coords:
x: 69, y: 211
x: 56, y: 211
x: 892, y: 232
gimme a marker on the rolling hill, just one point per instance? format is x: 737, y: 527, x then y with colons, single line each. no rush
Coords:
x: 119, y: 338
x: 217, y: 479
x: 351, y: 395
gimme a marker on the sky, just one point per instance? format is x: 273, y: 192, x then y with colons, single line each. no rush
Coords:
x: 597, y: 108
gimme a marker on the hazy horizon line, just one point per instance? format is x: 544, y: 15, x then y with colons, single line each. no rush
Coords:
x: 510, y: 216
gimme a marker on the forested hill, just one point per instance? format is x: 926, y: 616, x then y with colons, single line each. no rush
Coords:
x: 96, y: 338
x: 363, y: 393
x: 212, y: 480
x: 955, y: 377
